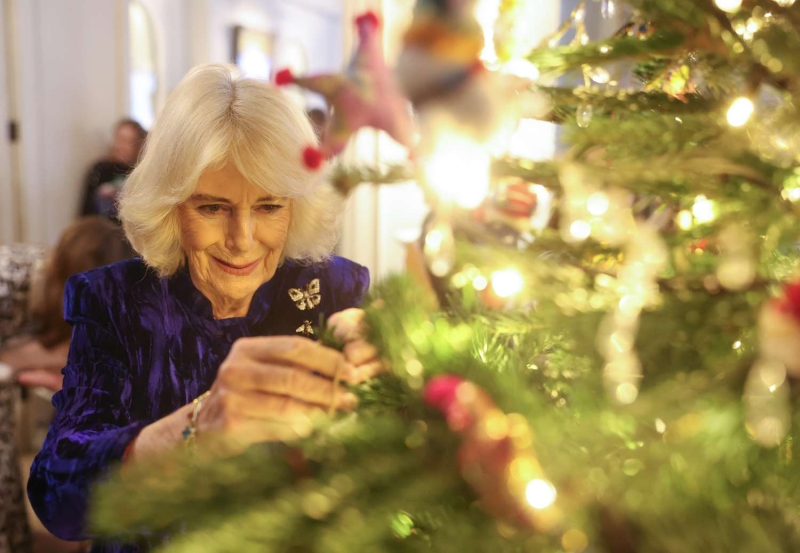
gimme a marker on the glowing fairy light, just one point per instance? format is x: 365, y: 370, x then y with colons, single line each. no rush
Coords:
x: 487, y: 12
x: 459, y: 171
x: 740, y: 111
x: 597, y: 204
x: 439, y: 249
x: 784, y: 3
x: 521, y: 68
x: 685, y: 220
x: 480, y: 283
x: 729, y: 6
x: 507, y: 282
x: 540, y: 494
x: 580, y: 230
x: 703, y: 210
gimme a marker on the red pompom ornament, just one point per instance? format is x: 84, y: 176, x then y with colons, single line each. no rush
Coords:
x: 365, y: 95
x: 493, y: 442
x: 313, y: 157
x: 284, y: 77
x: 368, y: 18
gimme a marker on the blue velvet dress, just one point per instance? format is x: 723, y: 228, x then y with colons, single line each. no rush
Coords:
x: 144, y: 346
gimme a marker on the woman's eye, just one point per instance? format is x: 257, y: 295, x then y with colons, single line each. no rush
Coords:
x: 269, y: 208
x: 210, y: 208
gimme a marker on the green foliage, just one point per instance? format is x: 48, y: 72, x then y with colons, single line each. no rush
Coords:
x: 676, y: 470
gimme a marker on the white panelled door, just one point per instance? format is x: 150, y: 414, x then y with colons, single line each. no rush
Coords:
x: 71, y: 82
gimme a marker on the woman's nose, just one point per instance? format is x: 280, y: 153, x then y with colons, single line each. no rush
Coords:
x: 240, y: 237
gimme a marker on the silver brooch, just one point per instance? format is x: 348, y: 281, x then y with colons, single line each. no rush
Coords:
x: 307, y: 298
x: 305, y: 329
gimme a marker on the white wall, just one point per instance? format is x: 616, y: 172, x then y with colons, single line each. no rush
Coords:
x: 8, y: 186
x: 72, y: 87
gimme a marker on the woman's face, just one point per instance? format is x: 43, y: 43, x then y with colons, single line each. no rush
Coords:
x: 233, y: 234
x: 126, y: 146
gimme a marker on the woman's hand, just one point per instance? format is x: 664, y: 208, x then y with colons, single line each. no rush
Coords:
x: 269, y: 387
x: 349, y: 327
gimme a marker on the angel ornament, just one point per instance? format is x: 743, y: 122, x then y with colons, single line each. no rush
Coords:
x: 306, y: 298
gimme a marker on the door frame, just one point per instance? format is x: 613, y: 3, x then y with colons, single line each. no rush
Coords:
x: 10, y: 189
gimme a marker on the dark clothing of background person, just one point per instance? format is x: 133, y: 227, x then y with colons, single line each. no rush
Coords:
x: 102, y: 185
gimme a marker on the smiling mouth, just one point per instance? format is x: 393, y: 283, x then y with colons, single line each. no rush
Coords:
x: 237, y: 269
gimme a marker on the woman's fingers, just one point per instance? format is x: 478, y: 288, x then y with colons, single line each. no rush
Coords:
x: 254, y: 382
x: 290, y: 350
x: 367, y: 371
x: 359, y: 352
x: 347, y: 325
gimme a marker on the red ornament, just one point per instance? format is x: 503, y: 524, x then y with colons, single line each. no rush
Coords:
x: 486, y: 452
x: 368, y: 17
x: 790, y: 303
x: 284, y: 77
x: 313, y: 157
x: 514, y: 197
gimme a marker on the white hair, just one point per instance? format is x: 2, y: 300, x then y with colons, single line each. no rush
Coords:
x: 216, y: 116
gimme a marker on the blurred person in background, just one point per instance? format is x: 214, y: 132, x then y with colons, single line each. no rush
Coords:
x: 34, y: 338
x: 107, y: 176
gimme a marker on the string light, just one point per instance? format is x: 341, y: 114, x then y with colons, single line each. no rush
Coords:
x: 507, y: 282
x: 521, y: 68
x: 685, y: 220
x: 480, y: 283
x: 439, y: 249
x: 729, y: 6
x: 703, y: 209
x: 487, y: 12
x: 740, y: 111
x: 597, y: 204
x: 459, y: 170
x: 540, y: 494
x: 580, y: 230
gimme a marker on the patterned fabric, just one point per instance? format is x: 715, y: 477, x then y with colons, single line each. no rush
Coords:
x: 18, y: 265
x: 14, y: 533
x: 141, y: 348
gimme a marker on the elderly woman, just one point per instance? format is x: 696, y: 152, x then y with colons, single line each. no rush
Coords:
x: 210, y: 331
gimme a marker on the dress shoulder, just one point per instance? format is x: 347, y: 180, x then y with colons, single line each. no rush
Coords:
x: 343, y: 283
x: 104, y: 288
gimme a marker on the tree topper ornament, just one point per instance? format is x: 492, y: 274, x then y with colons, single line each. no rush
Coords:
x: 366, y: 95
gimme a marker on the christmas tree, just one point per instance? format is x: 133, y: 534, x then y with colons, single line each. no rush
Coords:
x: 609, y: 361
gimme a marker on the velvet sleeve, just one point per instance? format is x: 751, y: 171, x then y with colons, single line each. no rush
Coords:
x: 353, y: 285
x: 93, y: 423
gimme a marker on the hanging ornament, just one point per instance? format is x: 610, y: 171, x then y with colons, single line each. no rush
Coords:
x: 766, y: 402
x: 441, y: 72
x: 779, y: 329
x: 598, y: 74
x: 441, y: 49
x: 439, y: 248
x: 366, y: 95
x: 737, y: 266
x: 637, y: 285
x: 496, y: 457
x: 583, y: 115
